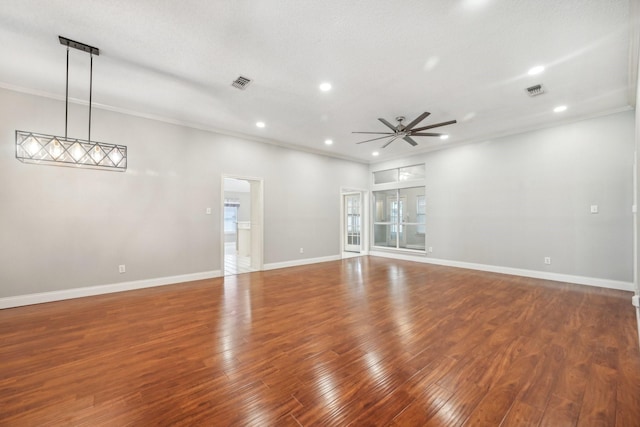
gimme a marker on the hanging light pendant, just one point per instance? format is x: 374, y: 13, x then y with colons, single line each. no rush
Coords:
x: 64, y: 151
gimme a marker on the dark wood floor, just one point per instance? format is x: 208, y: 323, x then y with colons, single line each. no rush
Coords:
x: 364, y: 341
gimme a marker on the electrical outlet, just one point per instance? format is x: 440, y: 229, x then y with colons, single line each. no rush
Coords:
x: 547, y: 260
x: 208, y: 211
x: 594, y: 209
x: 301, y: 250
x: 122, y: 268
x: 430, y: 249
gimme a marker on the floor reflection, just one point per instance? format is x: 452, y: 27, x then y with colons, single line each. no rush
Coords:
x: 234, y: 263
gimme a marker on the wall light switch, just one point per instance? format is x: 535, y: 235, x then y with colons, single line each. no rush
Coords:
x: 208, y: 211
x: 594, y: 209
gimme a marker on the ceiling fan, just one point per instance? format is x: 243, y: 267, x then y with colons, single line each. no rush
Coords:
x: 406, y: 132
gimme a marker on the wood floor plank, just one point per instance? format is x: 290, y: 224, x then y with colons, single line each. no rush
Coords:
x: 502, y: 394
x: 363, y: 341
x: 599, y: 402
x: 423, y: 408
x: 560, y: 412
x: 542, y: 380
x: 522, y: 415
x: 419, y: 389
x: 628, y: 387
x: 458, y: 407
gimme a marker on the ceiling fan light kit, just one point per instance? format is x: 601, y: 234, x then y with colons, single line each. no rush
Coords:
x: 405, y: 132
x: 40, y: 148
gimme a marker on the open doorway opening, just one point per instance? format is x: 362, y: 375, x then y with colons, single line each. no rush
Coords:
x: 242, y: 225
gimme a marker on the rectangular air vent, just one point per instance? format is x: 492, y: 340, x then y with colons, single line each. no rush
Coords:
x: 241, y: 82
x: 535, y: 90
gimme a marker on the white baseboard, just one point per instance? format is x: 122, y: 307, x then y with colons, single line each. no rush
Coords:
x: 43, y: 297
x: 558, y: 277
x: 297, y: 262
x: 346, y: 255
x: 64, y: 294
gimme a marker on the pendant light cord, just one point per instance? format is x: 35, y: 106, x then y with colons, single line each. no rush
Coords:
x: 90, y: 92
x: 66, y: 98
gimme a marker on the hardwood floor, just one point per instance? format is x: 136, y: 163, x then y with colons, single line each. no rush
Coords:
x: 363, y: 341
x: 234, y: 263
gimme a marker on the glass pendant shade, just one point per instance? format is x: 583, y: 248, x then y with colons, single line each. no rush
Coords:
x: 57, y: 150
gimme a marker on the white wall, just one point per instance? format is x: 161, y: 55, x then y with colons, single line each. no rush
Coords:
x: 514, y: 200
x: 636, y: 224
x: 506, y: 202
x: 64, y: 228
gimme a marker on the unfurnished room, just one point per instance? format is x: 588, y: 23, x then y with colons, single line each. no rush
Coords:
x: 319, y: 213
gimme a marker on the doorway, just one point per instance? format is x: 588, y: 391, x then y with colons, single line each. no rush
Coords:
x: 352, y: 222
x: 353, y: 236
x: 242, y: 224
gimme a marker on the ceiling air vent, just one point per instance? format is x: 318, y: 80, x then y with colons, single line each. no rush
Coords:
x: 535, y: 90
x: 241, y: 83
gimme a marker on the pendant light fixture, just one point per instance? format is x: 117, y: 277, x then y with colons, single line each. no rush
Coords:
x: 64, y: 151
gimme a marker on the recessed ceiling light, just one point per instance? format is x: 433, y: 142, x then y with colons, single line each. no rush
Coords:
x: 328, y: 141
x: 375, y: 153
x: 325, y: 87
x: 473, y: 4
x: 444, y: 136
x: 260, y: 124
x: 560, y: 109
x: 536, y: 70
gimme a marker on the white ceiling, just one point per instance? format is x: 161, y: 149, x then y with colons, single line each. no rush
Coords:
x: 462, y: 59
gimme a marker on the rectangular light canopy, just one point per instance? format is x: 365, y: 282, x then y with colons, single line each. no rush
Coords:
x: 57, y: 150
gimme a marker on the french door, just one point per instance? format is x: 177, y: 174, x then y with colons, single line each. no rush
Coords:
x: 352, y: 222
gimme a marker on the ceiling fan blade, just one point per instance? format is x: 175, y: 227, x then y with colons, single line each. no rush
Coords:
x: 418, y: 119
x: 389, y: 125
x: 427, y: 134
x: 378, y: 133
x: 390, y: 141
x: 410, y: 141
x: 450, y: 122
x: 375, y: 139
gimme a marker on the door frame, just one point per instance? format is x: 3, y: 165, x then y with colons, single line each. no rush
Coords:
x: 257, y: 220
x: 364, y: 221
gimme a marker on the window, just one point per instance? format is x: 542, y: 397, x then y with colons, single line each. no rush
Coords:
x: 396, y: 214
x: 384, y: 177
x: 398, y: 221
x: 399, y: 217
x: 408, y: 173
x: 421, y: 214
x: 411, y: 173
x: 385, y: 228
x: 230, y: 216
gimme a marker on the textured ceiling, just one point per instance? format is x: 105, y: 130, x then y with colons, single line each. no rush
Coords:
x: 464, y: 60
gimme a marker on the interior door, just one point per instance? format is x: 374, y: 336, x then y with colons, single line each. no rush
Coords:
x: 352, y: 222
